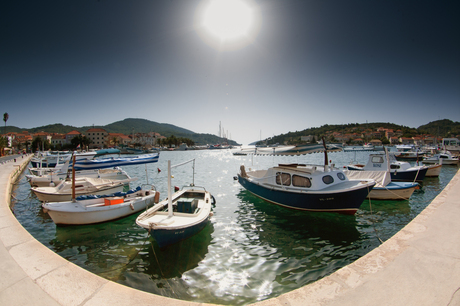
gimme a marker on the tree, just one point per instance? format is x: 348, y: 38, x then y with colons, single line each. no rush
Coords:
x: 5, y: 118
x: 38, y: 143
x: 83, y: 141
x: 3, y: 145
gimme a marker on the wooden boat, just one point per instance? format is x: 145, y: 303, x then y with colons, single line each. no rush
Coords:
x: 54, y: 178
x: 384, y: 188
x: 307, y: 187
x: 400, y: 170
x: 87, y: 164
x: 303, y: 187
x: 434, y: 170
x: 180, y: 216
x: 83, y: 186
x: 101, y: 209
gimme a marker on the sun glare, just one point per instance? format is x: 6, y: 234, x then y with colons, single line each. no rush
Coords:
x: 227, y: 24
x: 228, y: 19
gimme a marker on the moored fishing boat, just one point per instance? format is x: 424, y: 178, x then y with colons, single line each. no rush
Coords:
x: 384, y: 188
x: 311, y: 188
x: 399, y: 170
x: 446, y: 157
x: 54, y: 178
x: 307, y: 187
x: 93, y: 209
x: 83, y: 186
x: 87, y: 164
x: 180, y: 216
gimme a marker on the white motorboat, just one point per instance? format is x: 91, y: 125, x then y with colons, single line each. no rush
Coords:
x: 101, y: 209
x: 384, y: 188
x: 446, y: 156
x: 54, y: 178
x: 83, y: 186
x: 178, y: 217
x: 400, y: 170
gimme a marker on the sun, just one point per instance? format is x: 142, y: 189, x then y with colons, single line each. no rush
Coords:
x: 228, y: 19
x: 227, y: 23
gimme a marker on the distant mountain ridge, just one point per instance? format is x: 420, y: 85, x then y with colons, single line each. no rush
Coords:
x: 441, y: 128
x: 127, y: 127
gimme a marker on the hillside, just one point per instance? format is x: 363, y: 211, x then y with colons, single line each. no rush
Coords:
x: 127, y: 127
x: 441, y: 128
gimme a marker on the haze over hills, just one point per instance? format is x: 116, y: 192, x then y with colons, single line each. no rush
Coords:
x: 442, y: 128
x: 129, y: 126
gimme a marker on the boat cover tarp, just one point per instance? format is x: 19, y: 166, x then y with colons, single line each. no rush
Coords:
x: 382, y: 178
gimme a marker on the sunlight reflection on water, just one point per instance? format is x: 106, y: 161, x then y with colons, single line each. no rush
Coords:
x: 250, y: 251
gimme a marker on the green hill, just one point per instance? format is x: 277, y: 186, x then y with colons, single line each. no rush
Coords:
x: 127, y: 127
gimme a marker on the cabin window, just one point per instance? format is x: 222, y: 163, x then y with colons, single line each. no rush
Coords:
x: 327, y: 179
x: 301, y: 181
x: 341, y: 176
x: 394, y: 167
x: 283, y: 179
x: 377, y: 159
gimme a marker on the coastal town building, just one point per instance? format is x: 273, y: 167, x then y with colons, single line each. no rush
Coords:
x: 98, y: 138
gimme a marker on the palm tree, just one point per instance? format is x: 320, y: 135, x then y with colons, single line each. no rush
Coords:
x: 5, y: 118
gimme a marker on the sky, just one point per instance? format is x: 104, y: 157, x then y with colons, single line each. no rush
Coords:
x: 260, y: 69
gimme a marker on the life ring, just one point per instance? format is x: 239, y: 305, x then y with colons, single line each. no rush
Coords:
x: 213, y: 200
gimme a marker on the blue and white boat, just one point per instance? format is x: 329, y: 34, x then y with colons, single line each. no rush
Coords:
x: 384, y: 188
x: 307, y: 187
x: 180, y: 216
x: 310, y: 188
x: 100, y: 163
x: 399, y: 170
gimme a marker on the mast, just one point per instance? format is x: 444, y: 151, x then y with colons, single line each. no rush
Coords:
x: 170, y: 206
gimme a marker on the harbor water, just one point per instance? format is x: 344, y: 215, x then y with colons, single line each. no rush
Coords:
x: 250, y: 251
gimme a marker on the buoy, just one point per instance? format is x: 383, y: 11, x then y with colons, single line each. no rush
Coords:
x: 156, y: 199
x: 176, y: 188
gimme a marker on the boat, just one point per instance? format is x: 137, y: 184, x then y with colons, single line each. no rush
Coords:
x: 93, y: 209
x: 307, y: 187
x: 434, y: 170
x: 83, y: 186
x: 51, y: 159
x: 99, y: 163
x: 55, y: 177
x: 384, y: 188
x: 400, y: 170
x: 446, y: 157
x: 180, y: 216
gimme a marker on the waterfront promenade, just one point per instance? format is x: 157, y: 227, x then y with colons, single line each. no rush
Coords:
x: 420, y: 265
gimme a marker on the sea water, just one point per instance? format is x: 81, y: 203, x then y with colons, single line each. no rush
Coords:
x: 251, y: 250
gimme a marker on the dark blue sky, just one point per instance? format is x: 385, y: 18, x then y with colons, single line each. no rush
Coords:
x: 310, y: 63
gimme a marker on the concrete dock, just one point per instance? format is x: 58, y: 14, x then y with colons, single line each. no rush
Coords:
x: 420, y: 265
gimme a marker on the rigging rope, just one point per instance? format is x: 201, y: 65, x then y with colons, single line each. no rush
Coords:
x: 372, y: 218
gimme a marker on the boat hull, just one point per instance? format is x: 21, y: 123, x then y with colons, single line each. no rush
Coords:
x: 69, y: 213
x: 165, y: 237
x: 444, y: 161
x: 409, y: 175
x: 89, y: 164
x: 60, y: 197
x: 433, y: 170
x: 393, y: 191
x: 345, y: 202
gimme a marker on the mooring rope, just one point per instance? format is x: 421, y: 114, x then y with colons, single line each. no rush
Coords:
x: 372, y: 218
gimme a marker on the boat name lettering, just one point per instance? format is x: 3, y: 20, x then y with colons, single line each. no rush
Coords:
x: 181, y: 232
x: 377, y: 165
x: 326, y: 199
